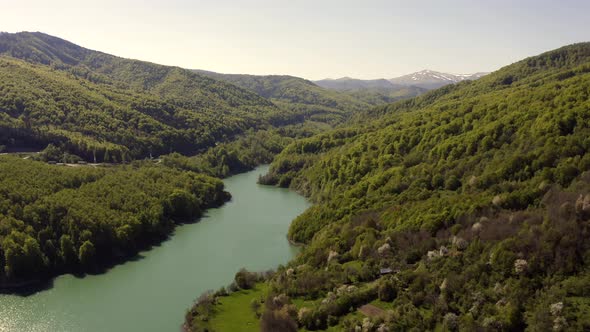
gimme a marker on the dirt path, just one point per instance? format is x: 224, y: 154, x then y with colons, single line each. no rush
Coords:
x: 371, y: 311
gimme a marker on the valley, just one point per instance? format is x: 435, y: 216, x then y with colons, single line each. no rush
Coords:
x: 221, y: 202
x: 249, y: 231
x: 464, y: 196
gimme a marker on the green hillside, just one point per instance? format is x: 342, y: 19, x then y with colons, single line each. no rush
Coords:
x: 374, y: 92
x: 76, y: 219
x: 299, y: 95
x: 96, y: 104
x: 474, y: 197
x: 380, y: 96
x: 506, y: 133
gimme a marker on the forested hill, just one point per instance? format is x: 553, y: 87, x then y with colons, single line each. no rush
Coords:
x: 77, y: 219
x: 298, y: 95
x: 467, y: 208
x: 167, y: 82
x: 348, y: 83
x: 318, y: 100
x: 502, y: 135
x: 98, y: 105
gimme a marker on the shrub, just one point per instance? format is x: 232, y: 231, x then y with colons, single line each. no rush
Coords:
x: 452, y: 183
x: 245, y: 279
x: 277, y: 320
x: 387, y: 291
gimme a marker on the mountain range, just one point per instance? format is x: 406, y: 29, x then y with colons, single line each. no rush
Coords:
x: 99, y: 106
x: 297, y: 94
x: 426, y: 79
x: 430, y: 79
x: 328, y: 99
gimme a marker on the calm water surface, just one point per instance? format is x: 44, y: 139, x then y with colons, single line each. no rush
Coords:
x: 153, y: 292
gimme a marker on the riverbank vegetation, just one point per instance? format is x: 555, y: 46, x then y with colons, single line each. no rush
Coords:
x: 466, y: 208
x: 234, y: 309
x: 246, y: 152
x: 56, y: 219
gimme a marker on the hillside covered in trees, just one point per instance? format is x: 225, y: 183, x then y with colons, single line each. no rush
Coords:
x: 98, y: 105
x: 298, y: 95
x: 318, y: 101
x: 77, y: 219
x: 467, y: 208
x: 105, y: 108
x: 374, y: 92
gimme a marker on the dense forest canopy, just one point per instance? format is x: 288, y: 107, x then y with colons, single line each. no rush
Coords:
x: 374, y: 92
x: 77, y: 104
x: 96, y: 105
x: 466, y: 208
x: 489, y: 136
x: 62, y: 219
x: 102, y: 108
x: 298, y: 95
x: 105, y: 108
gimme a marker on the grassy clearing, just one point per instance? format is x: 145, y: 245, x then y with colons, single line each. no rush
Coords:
x: 357, y: 265
x: 382, y: 305
x: 301, y: 302
x: 233, y: 313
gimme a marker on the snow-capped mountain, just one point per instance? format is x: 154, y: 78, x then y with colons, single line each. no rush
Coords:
x: 430, y: 79
x: 425, y: 79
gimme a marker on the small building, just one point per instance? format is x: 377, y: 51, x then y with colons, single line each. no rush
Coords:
x: 385, y: 271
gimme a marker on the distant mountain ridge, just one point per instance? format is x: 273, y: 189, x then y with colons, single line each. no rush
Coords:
x: 348, y: 83
x: 296, y: 94
x: 327, y: 102
x: 430, y: 79
x: 425, y: 79
x: 375, y: 92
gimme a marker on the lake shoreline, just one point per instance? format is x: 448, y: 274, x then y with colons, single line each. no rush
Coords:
x: 169, y: 275
x: 26, y: 287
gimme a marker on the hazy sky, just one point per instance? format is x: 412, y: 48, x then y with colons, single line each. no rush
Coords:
x: 310, y: 38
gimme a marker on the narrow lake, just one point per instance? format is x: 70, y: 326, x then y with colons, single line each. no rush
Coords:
x: 153, y: 292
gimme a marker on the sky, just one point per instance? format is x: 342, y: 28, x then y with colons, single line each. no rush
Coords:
x: 313, y: 39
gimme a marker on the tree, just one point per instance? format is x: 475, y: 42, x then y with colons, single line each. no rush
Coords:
x: 182, y: 205
x: 387, y: 291
x: 87, y: 253
x: 452, y: 183
x: 245, y: 279
x: 22, y: 255
x: 106, y: 158
x: 277, y: 320
x: 67, y: 250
